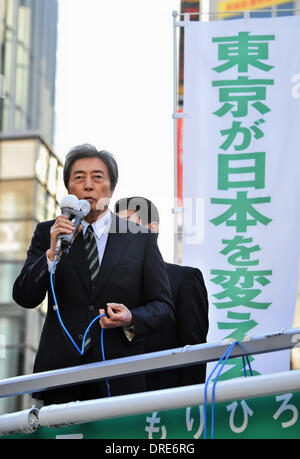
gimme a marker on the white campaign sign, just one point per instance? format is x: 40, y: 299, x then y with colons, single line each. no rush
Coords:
x: 241, y: 175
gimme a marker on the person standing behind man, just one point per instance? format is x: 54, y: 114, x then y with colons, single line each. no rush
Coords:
x: 190, y: 299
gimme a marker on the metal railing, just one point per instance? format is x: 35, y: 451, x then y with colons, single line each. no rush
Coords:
x: 78, y: 412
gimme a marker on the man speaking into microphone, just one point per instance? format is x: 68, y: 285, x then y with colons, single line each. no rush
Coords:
x: 113, y: 267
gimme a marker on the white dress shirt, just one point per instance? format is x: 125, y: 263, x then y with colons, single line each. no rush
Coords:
x: 101, y: 229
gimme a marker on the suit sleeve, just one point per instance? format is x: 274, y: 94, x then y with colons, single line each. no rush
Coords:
x: 31, y: 285
x: 192, y: 310
x: 158, y: 307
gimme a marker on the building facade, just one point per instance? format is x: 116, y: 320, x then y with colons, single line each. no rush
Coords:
x: 28, y: 40
x: 31, y: 181
x: 31, y: 187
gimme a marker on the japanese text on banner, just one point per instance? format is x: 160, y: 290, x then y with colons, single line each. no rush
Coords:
x: 241, y: 168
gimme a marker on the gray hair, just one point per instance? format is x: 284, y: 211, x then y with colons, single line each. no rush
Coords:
x: 90, y: 151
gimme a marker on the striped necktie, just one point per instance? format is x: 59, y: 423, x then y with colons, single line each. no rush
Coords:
x: 92, y: 253
x: 93, y: 262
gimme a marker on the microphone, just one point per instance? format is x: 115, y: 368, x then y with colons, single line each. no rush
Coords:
x: 78, y: 216
x: 68, y: 204
x: 76, y: 210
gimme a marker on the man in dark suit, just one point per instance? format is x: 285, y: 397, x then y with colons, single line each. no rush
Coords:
x: 128, y: 282
x: 190, y: 299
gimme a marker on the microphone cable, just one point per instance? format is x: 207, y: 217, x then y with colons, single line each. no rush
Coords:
x: 223, y: 359
x: 56, y: 308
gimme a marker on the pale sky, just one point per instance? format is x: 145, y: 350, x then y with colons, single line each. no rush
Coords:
x: 115, y: 90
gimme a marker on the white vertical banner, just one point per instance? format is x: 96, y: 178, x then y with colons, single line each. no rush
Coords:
x: 241, y: 176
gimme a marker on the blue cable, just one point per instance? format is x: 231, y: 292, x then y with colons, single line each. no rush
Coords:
x: 214, y: 387
x: 81, y: 351
x: 249, y: 366
x: 226, y: 355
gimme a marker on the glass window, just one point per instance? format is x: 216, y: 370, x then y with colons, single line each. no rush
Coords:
x: 8, y: 274
x: 8, y: 65
x: 52, y: 176
x: 10, y: 332
x: 17, y: 158
x: 5, y: 120
x: 58, y: 210
x: 15, y: 239
x: 19, y: 76
x: 16, y: 199
x: 285, y: 6
x: 43, y: 309
x: 10, y: 329
x: 10, y: 13
x: 234, y: 16
x: 26, y: 74
x: 41, y: 167
x: 40, y: 207
x: 18, y: 121
x: 28, y: 20
x: 2, y: 13
x: 61, y: 190
x: 51, y: 207
x: 22, y: 22
x: 267, y: 13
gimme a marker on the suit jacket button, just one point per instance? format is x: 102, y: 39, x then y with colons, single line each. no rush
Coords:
x: 80, y: 336
x: 91, y: 307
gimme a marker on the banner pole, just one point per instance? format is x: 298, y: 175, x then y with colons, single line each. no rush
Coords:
x: 175, y: 95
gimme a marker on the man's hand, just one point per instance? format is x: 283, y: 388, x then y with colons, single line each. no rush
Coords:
x: 62, y: 225
x: 119, y: 316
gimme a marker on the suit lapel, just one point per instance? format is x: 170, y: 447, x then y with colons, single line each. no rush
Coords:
x: 116, y: 242
x: 78, y: 259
